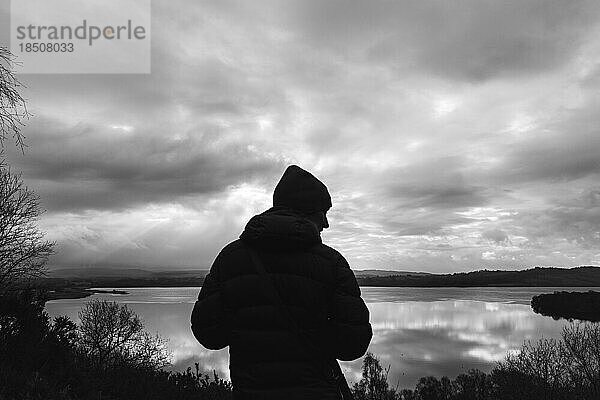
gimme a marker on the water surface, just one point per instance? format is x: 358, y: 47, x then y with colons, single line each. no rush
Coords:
x: 418, y: 331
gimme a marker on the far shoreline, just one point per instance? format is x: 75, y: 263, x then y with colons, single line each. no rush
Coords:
x: 68, y: 293
x: 78, y: 293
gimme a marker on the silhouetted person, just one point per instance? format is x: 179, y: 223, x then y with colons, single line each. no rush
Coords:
x: 268, y: 360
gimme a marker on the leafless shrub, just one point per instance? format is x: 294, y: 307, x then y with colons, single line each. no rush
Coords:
x: 112, y: 333
x: 542, y: 362
x: 556, y: 369
x: 23, y: 250
x: 581, y: 348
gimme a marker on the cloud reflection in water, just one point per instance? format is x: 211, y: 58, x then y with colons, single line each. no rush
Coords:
x: 418, y: 331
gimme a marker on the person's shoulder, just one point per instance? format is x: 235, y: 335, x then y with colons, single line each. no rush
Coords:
x: 331, y: 254
x: 232, y: 247
x: 229, y: 260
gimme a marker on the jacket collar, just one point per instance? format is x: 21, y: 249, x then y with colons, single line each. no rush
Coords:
x: 281, y: 228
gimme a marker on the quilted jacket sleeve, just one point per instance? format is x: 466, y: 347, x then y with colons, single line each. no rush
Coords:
x: 349, y: 328
x: 209, y: 316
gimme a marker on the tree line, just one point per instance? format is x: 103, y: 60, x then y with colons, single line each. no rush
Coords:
x: 568, y: 305
x: 584, y: 276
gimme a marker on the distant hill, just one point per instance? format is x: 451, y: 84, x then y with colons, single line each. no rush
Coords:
x: 89, y: 272
x: 81, y: 278
x: 382, y: 272
x: 139, y: 273
x: 559, y: 277
x: 116, y: 272
x: 134, y: 277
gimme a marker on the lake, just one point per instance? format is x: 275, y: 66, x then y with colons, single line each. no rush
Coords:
x: 418, y: 331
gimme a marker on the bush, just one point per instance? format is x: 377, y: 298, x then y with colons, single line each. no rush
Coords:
x: 35, y: 353
x: 564, y: 369
x: 373, y: 384
x: 475, y: 385
x: 44, y: 359
x: 568, y: 368
x: 112, y: 334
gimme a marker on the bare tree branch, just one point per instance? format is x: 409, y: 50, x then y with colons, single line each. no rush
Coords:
x: 23, y: 250
x: 112, y: 333
x: 13, y: 109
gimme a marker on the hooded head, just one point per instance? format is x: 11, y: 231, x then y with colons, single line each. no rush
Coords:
x: 300, y: 202
x: 300, y: 190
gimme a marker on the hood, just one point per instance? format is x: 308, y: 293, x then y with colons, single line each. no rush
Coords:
x: 300, y: 190
x: 280, y: 228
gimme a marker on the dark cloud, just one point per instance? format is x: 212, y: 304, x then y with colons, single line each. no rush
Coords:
x: 573, y: 219
x: 436, y: 183
x: 415, y: 223
x: 477, y: 41
x: 440, y: 197
x: 466, y: 40
x: 558, y: 156
x: 495, y: 235
x: 107, y: 168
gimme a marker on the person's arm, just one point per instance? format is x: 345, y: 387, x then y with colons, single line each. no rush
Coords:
x: 209, y: 316
x: 350, y: 331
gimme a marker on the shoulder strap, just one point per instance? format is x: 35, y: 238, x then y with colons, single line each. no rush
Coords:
x: 331, y: 362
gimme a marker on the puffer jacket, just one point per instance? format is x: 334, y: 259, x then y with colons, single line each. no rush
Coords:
x: 267, y: 358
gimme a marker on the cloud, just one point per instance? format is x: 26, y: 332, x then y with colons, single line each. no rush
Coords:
x: 87, y: 166
x: 160, y: 236
x: 575, y: 220
x: 469, y: 41
x: 495, y: 235
x: 564, y: 150
x: 443, y: 129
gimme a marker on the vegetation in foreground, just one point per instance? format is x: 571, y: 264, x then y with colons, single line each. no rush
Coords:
x: 109, y: 355
x: 564, y: 369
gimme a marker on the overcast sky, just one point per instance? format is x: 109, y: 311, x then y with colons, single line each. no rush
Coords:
x: 453, y: 135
